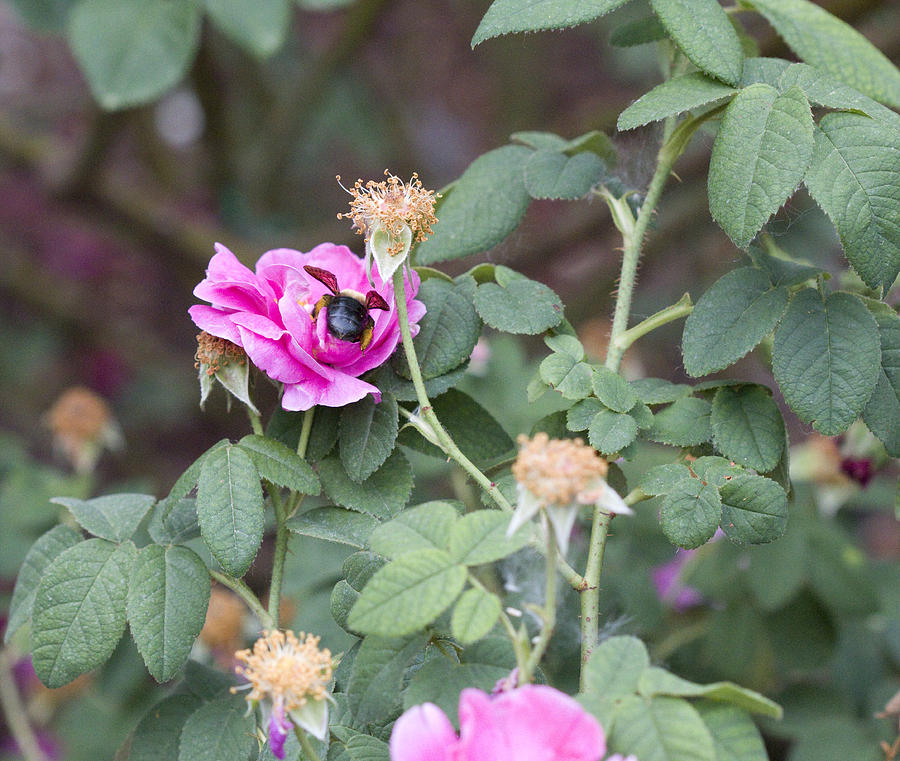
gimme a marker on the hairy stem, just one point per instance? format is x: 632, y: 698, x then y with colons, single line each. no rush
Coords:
x: 282, y: 534
x: 246, y: 594
x: 309, y: 753
x: 14, y: 712
x: 255, y: 422
x: 590, y: 595
x: 682, y: 308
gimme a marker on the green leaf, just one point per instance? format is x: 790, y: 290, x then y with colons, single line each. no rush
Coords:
x: 334, y: 524
x: 480, y: 537
x: 661, y: 729
x: 613, y: 390
x: 637, y: 32
x: 540, y: 141
x: 447, y: 333
x: 132, y: 51
x: 221, y: 730
x: 551, y: 174
x: 747, y: 426
x: 230, y: 508
x: 368, y: 433
x: 167, y: 599
x: 422, y: 527
x: 383, y: 494
x: 179, y: 525
x: 661, y: 479
x: 564, y: 369
x: 42, y: 553
x: 734, y: 734
x: 760, y: 156
x: 594, y: 141
x: 205, y: 682
x: 615, y: 666
x: 280, y: 465
x: 732, y: 317
x: 509, y: 16
x: 188, y: 480
x: 157, y: 736
x: 682, y: 424
x: 659, y: 391
x: 611, y: 432
x: 441, y: 679
x: 824, y: 90
x: 258, y: 26
x: 855, y: 178
x: 484, y: 206
x: 705, y: 35
x: 834, y: 47
x: 580, y: 415
x: 690, y: 513
x: 114, y: 517
x: 763, y: 70
x: 882, y: 412
x: 377, y: 676
x: 673, y: 97
x: 367, y: 748
x: 515, y: 304
x: 79, y: 609
x: 475, y: 431
x: 781, y: 271
x: 827, y: 358
x: 658, y: 681
x: 754, y: 509
x: 475, y: 614
x: 715, y: 470
x: 408, y: 594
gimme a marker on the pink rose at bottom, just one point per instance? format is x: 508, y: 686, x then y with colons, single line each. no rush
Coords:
x: 268, y: 313
x: 531, y: 723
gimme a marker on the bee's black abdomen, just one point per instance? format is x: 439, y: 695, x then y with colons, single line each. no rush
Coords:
x: 346, y: 318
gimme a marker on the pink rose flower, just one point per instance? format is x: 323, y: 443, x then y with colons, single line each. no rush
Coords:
x: 269, y: 314
x: 531, y: 723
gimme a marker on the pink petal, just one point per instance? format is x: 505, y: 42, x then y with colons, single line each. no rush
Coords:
x: 215, y: 322
x: 423, y: 733
x: 531, y: 723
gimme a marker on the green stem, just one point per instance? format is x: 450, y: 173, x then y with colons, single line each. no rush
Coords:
x: 427, y: 411
x: 309, y: 753
x: 590, y: 595
x: 14, y: 712
x: 246, y: 594
x: 548, y: 615
x: 633, y: 239
x: 303, y: 443
x: 682, y: 308
x: 255, y: 422
x: 282, y: 533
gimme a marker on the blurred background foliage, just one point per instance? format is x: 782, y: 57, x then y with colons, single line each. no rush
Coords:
x: 107, y: 220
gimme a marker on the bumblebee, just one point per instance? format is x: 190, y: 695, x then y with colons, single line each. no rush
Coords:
x: 346, y: 311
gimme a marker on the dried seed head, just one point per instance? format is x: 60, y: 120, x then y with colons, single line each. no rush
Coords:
x: 82, y: 425
x: 559, y: 471
x: 391, y: 205
x: 286, y: 669
x: 214, y: 353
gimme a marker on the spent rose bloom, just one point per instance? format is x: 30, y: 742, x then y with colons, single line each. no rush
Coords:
x: 558, y: 476
x: 269, y: 314
x: 292, y: 674
x: 531, y: 723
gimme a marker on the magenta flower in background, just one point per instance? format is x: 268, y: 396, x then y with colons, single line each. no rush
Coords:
x: 670, y: 588
x: 269, y: 314
x: 531, y: 723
